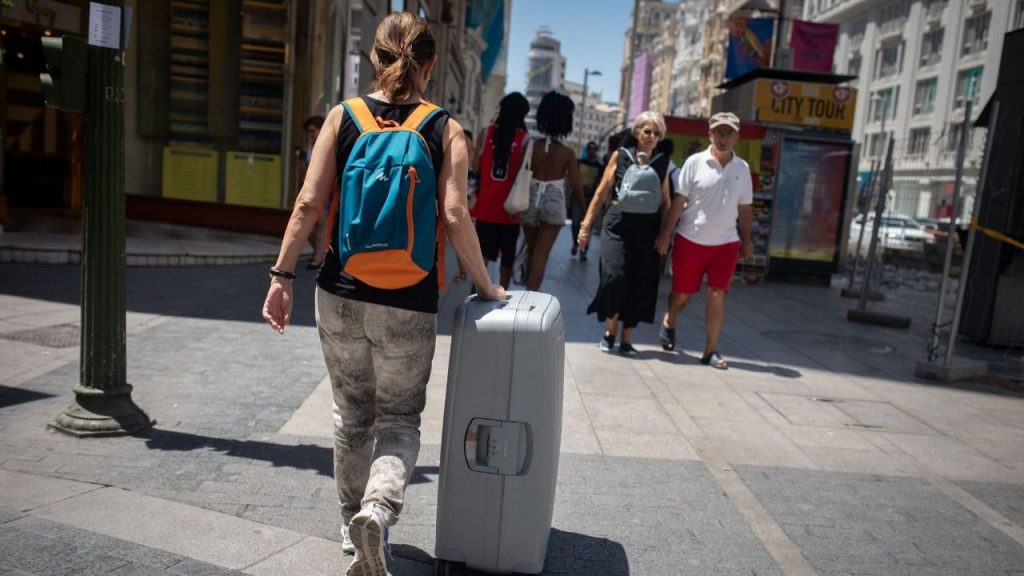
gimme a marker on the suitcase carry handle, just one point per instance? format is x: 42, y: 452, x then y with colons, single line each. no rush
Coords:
x: 498, y: 447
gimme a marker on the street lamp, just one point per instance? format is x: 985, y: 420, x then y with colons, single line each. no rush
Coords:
x: 583, y: 106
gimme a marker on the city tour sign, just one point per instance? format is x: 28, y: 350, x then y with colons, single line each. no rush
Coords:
x: 805, y: 104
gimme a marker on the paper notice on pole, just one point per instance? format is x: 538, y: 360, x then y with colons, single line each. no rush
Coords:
x: 104, y: 26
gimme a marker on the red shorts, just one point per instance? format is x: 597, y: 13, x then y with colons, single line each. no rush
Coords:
x: 690, y: 261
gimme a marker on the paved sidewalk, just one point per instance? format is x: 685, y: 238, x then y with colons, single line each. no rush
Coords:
x: 59, y: 241
x: 817, y: 452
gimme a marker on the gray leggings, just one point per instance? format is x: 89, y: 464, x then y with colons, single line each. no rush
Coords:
x: 378, y: 358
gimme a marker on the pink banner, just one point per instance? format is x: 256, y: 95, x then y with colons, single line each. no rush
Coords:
x: 812, y: 45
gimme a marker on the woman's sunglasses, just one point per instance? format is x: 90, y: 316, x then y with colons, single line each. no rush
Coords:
x: 649, y: 132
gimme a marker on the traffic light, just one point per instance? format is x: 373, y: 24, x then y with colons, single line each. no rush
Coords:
x: 64, y: 79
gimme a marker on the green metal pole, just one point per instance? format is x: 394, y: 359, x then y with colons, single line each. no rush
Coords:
x: 103, y: 400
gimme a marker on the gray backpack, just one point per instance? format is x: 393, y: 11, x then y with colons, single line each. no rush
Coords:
x: 640, y: 189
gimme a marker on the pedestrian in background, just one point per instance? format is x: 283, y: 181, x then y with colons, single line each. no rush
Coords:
x: 635, y: 180
x: 378, y: 343
x: 553, y: 164
x: 590, y: 167
x: 714, y: 188
x: 498, y: 161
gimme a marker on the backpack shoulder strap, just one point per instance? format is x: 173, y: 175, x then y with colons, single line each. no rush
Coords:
x: 654, y: 158
x: 420, y: 116
x: 625, y: 151
x: 361, y: 115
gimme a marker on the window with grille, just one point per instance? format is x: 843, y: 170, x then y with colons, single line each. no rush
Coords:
x: 953, y: 136
x: 889, y: 60
x: 975, y: 34
x: 968, y: 86
x: 918, y: 145
x: 931, y: 48
x: 924, y: 96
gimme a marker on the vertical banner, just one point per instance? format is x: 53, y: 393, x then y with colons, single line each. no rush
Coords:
x: 812, y: 45
x: 640, y: 93
x: 750, y: 45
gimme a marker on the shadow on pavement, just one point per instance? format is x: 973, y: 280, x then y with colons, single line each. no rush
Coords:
x: 14, y: 396
x: 570, y: 553
x: 233, y: 293
x: 680, y: 357
x: 303, y: 456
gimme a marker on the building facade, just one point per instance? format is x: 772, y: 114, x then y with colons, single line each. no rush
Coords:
x: 650, y: 27
x: 594, y: 119
x: 545, y: 72
x: 691, y: 19
x: 918, y: 63
x: 663, y: 57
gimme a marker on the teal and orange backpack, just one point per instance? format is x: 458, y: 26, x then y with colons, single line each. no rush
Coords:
x: 389, y: 226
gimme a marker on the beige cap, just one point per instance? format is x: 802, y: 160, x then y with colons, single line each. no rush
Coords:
x: 724, y: 119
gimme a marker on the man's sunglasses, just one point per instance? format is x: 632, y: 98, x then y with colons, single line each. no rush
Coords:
x: 649, y: 132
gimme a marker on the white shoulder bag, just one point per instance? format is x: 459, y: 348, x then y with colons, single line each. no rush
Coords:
x: 518, y: 199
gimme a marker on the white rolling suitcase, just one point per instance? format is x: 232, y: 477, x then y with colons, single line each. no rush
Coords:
x: 501, y: 436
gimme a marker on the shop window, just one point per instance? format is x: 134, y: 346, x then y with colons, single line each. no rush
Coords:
x: 264, y: 34
x: 190, y: 72
x: 975, y: 34
x: 918, y: 145
x: 931, y: 48
x: 924, y: 96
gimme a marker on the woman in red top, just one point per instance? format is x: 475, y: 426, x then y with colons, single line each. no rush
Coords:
x: 498, y: 161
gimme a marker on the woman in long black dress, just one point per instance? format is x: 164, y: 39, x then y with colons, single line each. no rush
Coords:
x: 629, y: 267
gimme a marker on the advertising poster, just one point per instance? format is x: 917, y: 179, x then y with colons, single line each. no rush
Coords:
x: 811, y: 180
x: 750, y: 46
x: 253, y: 179
x: 190, y: 173
x: 805, y: 103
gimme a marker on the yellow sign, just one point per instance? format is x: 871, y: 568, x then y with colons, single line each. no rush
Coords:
x: 253, y: 179
x: 190, y: 173
x: 805, y: 103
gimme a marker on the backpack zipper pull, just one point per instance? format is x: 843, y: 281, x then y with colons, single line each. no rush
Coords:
x: 413, y: 175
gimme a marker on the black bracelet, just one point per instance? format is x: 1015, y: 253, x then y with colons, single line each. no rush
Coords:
x: 281, y: 273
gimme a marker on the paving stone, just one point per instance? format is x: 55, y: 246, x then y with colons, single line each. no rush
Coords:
x: 853, y: 523
x: 1007, y: 499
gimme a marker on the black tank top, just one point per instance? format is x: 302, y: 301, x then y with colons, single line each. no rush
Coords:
x: 421, y: 297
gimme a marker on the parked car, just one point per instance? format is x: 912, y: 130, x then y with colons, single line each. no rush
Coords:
x: 938, y: 227
x: 896, y: 233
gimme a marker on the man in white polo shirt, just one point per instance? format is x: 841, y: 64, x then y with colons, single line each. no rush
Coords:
x: 713, y: 190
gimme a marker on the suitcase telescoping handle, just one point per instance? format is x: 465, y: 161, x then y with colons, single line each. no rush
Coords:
x: 506, y: 304
x: 498, y: 447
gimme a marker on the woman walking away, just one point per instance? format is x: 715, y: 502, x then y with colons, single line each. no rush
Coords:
x: 553, y: 163
x: 636, y: 180
x: 378, y: 342
x: 501, y: 155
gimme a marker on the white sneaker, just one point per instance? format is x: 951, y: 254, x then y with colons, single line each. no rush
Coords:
x: 346, y: 542
x: 369, y: 533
